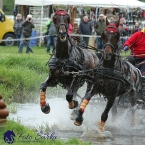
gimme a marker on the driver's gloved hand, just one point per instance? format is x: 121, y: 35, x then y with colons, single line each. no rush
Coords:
x: 125, y: 48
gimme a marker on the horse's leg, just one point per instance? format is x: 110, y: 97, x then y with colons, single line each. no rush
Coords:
x: 79, y: 119
x: 75, y: 96
x: 132, y: 102
x: 51, y: 82
x: 74, y: 112
x: 114, y: 110
x: 69, y: 96
x: 104, y: 115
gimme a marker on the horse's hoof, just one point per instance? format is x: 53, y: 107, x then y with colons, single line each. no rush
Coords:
x: 101, y: 126
x: 73, y: 104
x: 78, y: 121
x: 45, y: 109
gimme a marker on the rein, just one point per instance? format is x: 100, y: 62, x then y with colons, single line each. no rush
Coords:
x: 80, y: 50
x: 92, y: 47
x: 67, y: 63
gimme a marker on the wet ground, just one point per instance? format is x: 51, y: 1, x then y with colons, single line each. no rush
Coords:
x: 118, y: 132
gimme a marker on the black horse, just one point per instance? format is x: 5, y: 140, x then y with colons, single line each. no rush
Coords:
x: 67, y: 57
x: 113, y: 78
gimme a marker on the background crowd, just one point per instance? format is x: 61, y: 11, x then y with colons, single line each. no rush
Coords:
x: 90, y: 24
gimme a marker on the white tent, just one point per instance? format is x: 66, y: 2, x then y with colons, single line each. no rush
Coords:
x: 97, y: 3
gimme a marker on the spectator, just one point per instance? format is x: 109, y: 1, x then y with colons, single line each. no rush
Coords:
x: 70, y: 29
x: 85, y: 28
x: 18, y: 27
x: 26, y: 34
x: 51, y: 34
x: 99, y: 28
x: 123, y: 30
x: 136, y: 28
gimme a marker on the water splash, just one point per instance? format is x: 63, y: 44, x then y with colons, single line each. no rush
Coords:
x: 30, y: 114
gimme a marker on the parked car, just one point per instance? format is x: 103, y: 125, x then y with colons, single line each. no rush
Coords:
x: 7, y: 31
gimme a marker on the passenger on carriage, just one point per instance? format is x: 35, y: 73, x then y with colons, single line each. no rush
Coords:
x: 137, y: 45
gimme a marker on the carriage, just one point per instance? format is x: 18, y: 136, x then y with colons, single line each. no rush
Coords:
x: 72, y: 65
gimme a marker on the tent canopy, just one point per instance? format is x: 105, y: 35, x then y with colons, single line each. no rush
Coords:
x: 103, y: 3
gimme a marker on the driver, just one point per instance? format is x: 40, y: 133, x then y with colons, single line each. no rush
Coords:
x: 136, y: 43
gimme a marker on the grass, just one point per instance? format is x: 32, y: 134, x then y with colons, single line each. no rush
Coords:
x: 22, y: 74
x: 24, y: 135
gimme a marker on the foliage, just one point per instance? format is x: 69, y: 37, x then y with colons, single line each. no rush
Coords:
x: 142, y: 0
x: 18, y: 129
x: 8, y: 5
x: 21, y: 74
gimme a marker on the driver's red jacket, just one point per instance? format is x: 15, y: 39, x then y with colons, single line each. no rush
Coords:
x: 136, y: 43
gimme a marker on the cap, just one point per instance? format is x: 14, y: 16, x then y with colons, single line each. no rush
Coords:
x: 29, y: 16
x: 101, y: 15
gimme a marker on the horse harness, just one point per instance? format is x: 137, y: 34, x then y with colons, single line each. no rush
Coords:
x: 66, y: 63
x: 112, y: 73
x: 62, y: 13
x: 111, y: 28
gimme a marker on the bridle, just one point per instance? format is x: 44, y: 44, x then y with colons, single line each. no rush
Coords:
x: 112, y: 28
x: 62, y: 13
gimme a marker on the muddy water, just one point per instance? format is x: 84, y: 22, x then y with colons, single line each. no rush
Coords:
x: 118, y: 132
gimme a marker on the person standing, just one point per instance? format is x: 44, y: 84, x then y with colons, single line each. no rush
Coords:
x: 123, y: 30
x: 136, y: 28
x: 85, y: 28
x: 18, y: 27
x: 26, y: 34
x: 51, y: 28
x: 99, y: 28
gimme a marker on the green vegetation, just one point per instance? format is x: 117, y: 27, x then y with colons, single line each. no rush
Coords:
x: 23, y: 135
x: 22, y: 74
x: 8, y: 6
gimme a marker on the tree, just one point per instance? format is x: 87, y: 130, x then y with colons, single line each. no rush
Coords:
x: 8, y: 5
x: 142, y: 0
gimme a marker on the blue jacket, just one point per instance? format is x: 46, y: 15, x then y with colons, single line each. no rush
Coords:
x: 85, y: 28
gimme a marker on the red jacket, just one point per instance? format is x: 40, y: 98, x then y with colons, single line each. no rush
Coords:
x: 136, y: 43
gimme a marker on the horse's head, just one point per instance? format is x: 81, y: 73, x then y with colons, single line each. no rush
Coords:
x: 110, y: 37
x: 61, y: 19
